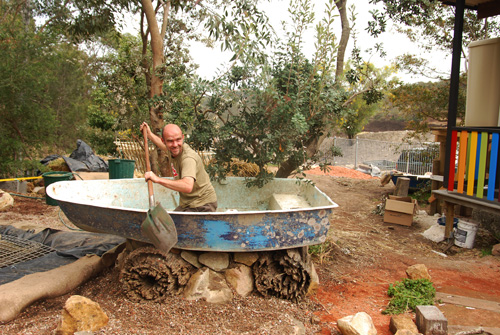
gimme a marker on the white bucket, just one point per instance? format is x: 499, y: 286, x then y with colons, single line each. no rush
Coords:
x: 465, y: 234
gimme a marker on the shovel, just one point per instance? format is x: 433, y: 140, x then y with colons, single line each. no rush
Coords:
x: 158, y: 226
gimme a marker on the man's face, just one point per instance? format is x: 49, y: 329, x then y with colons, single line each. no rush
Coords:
x: 173, y: 141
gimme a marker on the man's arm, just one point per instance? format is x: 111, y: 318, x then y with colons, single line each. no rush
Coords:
x: 153, y: 137
x: 184, y: 185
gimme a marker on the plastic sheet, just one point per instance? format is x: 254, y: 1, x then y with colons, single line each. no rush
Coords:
x: 69, y: 247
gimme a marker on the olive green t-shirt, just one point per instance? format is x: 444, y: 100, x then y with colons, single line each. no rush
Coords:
x: 189, y: 164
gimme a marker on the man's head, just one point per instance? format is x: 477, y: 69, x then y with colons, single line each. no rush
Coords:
x: 173, y: 138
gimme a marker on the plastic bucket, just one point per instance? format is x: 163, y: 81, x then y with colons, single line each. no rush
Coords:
x: 52, y: 177
x: 465, y: 234
x: 121, y: 168
x: 442, y: 221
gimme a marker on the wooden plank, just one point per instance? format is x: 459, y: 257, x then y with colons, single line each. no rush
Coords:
x: 462, y: 155
x: 472, y: 164
x: 402, y: 187
x: 453, y: 154
x: 468, y: 302
x: 471, y: 202
x: 450, y: 217
x: 483, y: 152
x: 493, y: 166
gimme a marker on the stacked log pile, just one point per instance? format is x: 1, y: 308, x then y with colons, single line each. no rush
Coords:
x: 149, y: 274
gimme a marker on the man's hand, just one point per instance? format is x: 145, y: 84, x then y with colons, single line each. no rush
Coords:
x: 149, y: 175
x: 144, y: 124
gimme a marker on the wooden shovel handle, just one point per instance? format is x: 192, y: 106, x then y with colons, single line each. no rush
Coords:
x: 148, y: 168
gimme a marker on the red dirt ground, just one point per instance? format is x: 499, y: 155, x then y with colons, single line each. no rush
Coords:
x: 364, y: 256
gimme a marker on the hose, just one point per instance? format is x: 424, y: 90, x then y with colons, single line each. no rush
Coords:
x: 64, y: 223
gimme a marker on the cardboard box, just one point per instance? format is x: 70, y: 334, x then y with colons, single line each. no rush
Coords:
x: 400, y: 210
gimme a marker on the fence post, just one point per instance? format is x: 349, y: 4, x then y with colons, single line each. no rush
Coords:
x: 356, y: 154
x: 334, y: 145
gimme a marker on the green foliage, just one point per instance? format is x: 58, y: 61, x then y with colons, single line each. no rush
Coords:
x: 408, y: 294
x: 422, y: 102
x: 423, y: 193
x: 486, y: 251
x: 43, y: 90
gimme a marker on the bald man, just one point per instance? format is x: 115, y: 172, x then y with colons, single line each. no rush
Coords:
x: 190, y: 178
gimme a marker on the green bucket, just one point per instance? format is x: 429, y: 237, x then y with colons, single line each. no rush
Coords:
x: 52, y: 177
x: 121, y: 168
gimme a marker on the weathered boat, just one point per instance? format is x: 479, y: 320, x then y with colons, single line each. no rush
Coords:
x: 285, y: 213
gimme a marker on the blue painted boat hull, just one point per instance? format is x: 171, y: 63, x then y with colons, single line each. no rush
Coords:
x: 242, y: 223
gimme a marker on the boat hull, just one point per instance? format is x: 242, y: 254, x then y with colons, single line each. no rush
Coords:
x: 235, y: 228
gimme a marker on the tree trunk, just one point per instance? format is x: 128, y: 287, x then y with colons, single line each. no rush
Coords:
x: 159, y: 161
x: 344, y: 37
x: 289, y: 166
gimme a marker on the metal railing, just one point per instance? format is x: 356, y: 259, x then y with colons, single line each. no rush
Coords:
x: 412, y: 158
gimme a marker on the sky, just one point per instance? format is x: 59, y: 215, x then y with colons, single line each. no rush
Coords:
x: 395, y: 44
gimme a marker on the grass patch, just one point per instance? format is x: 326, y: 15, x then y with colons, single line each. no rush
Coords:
x: 408, y: 294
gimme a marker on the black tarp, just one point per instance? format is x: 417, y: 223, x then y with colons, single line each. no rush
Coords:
x: 82, y: 159
x: 69, y: 247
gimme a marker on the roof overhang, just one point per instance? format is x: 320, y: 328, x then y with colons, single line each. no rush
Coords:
x: 484, y: 8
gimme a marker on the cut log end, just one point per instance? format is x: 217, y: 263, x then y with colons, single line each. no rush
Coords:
x: 284, y: 274
x: 150, y: 274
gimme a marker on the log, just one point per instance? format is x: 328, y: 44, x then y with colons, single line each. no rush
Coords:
x: 284, y: 274
x: 402, y: 187
x: 150, y: 274
x: 19, y: 294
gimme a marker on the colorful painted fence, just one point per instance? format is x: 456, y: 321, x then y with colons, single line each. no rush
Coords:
x: 475, y: 170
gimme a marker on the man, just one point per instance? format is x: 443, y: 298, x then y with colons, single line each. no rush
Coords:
x: 190, y: 178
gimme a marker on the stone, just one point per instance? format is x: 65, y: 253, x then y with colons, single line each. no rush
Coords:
x: 314, y: 284
x: 40, y: 190
x: 192, y: 258
x: 18, y: 186
x: 431, y: 321
x: 405, y: 332
x: 241, y: 279
x: 435, y: 233
x: 6, y: 200
x: 216, y: 261
x: 247, y: 258
x: 209, y: 285
x: 496, y: 250
x: 418, y: 271
x: 81, y: 314
x: 402, y: 322
x: 358, y: 324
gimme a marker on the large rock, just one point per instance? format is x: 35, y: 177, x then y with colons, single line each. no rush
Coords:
x: 6, y: 200
x: 314, y: 284
x: 192, y: 258
x: 247, y: 258
x: 241, y: 279
x: 209, y: 285
x: 216, y: 261
x: 402, y: 322
x: 81, y: 314
x: 418, y: 271
x: 357, y: 324
x: 496, y: 250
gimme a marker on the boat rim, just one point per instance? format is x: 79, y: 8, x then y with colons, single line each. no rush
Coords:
x: 50, y: 192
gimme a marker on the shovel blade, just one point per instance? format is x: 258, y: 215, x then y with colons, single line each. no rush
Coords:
x: 160, y: 228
